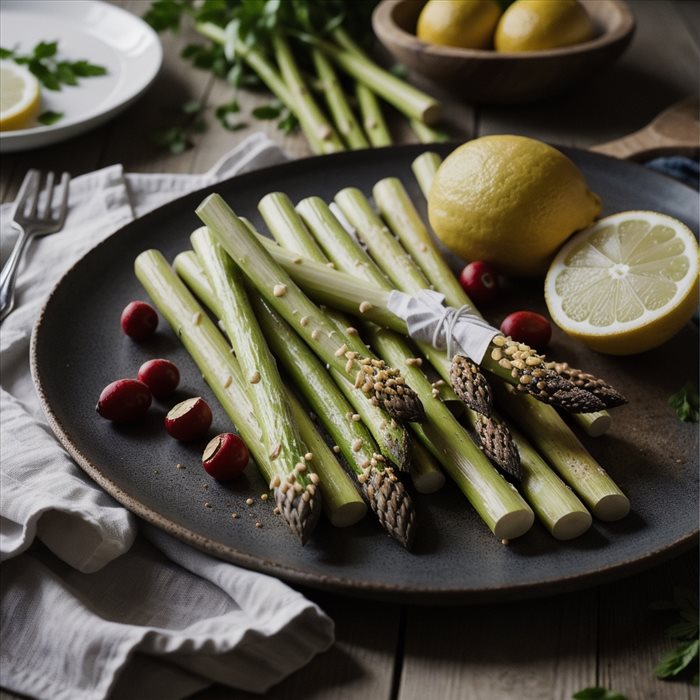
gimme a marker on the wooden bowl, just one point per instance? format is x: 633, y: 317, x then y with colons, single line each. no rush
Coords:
x: 504, y: 78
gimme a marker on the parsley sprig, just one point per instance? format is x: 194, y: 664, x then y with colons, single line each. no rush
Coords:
x: 597, y: 693
x: 686, y: 403
x: 682, y: 660
x: 50, y: 70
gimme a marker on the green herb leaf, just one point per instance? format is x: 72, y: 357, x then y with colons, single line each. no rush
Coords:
x: 597, y: 693
x: 677, y: 659
x: 399, y: 70
x: 166, y: 14
x: 265, y: 112
x: 6, y: 53
x: 686, y: 403
x: 65, y: 73
x: 45, y: 49
x: 288, y: 123
x: 192, y: 107
x: 85, y: 69
x: 47, y: 118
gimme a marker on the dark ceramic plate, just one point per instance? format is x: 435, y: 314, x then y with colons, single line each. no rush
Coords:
x: 78, y: 348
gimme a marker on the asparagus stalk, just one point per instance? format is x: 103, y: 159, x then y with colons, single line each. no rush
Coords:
x: 595, y: 423
x: 565, y: 453
x: 277, y: 287
x: 556, y: 506
x: 393, y: 507
x: 499, y: 505
x: 426, y: 475
x: 288, y: 229
x: 372, y: 116
x: 306, y: 108
x: 427, y: 134
x: 338, y: 105
x: 294, y: 487
x: 265, y: 70
x: 493, y: 436
x: 406, y: 98
x: 220, y: 369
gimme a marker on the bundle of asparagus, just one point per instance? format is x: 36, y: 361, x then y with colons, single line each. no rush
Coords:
x: 277, y: 41
x: 259, y: 289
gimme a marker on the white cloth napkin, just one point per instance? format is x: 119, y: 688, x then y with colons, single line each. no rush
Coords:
x: 91, y: 608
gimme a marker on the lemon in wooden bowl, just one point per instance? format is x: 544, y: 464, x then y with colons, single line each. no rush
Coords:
x: 469, y: 24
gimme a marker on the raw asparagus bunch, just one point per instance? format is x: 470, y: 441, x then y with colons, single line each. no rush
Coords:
x: 385, y: 494
x: 294, y: 484
x: 493, y: 435
x: 222, y: 372
x: 383, y: 385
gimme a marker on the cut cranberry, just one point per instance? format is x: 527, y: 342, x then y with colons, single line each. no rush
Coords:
x: 225, y: 457
x: 528, y: 327
x: 139, y: 320
x: 124, y: 400
x: 160, y: 376
x: 480, y: 281
x: 189, y: 420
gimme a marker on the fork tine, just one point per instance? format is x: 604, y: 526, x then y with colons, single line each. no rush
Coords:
x: 29, y: 185
x: 50, y: 182
x: 63, y: 211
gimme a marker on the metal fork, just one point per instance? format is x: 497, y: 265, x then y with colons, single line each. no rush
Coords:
x: 31, y: 223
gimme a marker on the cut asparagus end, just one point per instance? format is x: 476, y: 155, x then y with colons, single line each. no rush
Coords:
x: 426, y: 475
x: 391, y: 503
x: 347, y: 514
x: 571, y: 525
x: 497, y: 444
x: 299, y: 505
x: 613, y: 506
x: 595, y: 424
x: 513, y: 524
x: 470, y: 385
x: 584, y: 380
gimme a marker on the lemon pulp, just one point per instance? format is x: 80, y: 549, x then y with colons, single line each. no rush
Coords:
x: 19, y: 96
x: 626, y: 284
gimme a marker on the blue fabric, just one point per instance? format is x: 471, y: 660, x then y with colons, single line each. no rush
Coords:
x: 684, y: 169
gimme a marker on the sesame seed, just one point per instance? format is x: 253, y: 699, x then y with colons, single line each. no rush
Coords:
x: 308, y: 456
x: 255, y: 377
x: 234, y: 516
x: 263, y: 496
x: 351, y: 331
x: 357, y: 445
x: 197, y: 318
x: 275, y: 481
x: 207, y: 505
x: 276, y: 452
x: 499, y: 341
x: 249, y: 501
x: 336, y: 449
x: 258, y: 525
x: 423, y: 248
x: 304, y: 320
x: 365, y: 306
x: 341, y: 350
x: 348, y: 366
x: 315, y: 334
x: 297, y: 260
x: 331, y: 265
x: 356, y: 417
x: 180, y: 466
x: 276, y: 510
x: 228, y: 381
x: 279, y: 290
x: 313, y: 478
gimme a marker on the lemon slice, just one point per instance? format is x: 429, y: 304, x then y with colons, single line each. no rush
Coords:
x: 19, y: 96
x: 626, y: 284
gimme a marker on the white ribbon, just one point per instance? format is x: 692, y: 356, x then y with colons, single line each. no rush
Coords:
x: 461, y: 331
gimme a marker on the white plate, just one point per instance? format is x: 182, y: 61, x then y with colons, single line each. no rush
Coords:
x: 85, y: 29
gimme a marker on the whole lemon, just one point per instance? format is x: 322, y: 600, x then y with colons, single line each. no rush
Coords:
x: 510, y: 201
x: 468, y: 24
x: 538, y: 25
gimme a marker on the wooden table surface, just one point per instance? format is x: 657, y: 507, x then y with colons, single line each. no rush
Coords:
x: 539, y: 649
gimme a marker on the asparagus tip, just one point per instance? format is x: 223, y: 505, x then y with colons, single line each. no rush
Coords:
x: 470, y: 385
x: 300, y: 507
x: 588, y: 382
x: 498, y: 445
x: 391, y: 503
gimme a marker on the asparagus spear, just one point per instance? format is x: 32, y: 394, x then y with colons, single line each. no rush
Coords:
x: 288, y: 229
x: 306, y: 108
x: 212, y: 355
x: 493, y: 437
x: 427, y: 134
x: 277, y: 287
x: 372, y: 116
x: 393, y: 507
x: 595, y: 423
x: 294, y: 487
x: 406, y: 98
x: 338, y: 106
x: 565, y: 453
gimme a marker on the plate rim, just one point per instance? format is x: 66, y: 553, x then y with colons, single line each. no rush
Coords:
x: 25, y: 139
x: 433, y: 595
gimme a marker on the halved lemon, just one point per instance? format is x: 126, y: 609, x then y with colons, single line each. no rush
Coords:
x: 626, y: 284
x: 19, y: 96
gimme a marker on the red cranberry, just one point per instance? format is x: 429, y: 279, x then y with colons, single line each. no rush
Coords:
x: 189, y: 420
x: 527, y: 327
x: 160, y: 376
x: 480, y: 281
x: 124, y: 400
x: 139, y: 320
x: 225, y: 457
